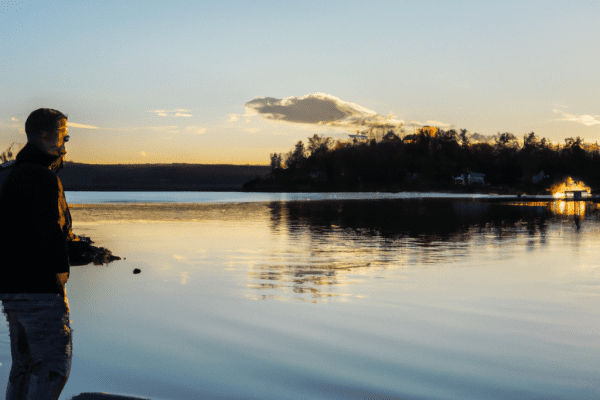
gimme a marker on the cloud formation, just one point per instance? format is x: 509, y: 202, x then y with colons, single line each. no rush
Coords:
x: 15, y: 119
x: 438, y: 124
x: 76, y: 125
x: 194, y: 130
x: 587, y: 120
x: 180, y: 112
x: 479, y: 138
x: 321, y: 109
x: 247, y: 115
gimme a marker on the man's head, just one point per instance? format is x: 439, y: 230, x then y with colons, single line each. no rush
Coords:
x: 47, y: 128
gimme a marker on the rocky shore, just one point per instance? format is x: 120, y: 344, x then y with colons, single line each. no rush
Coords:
x: 83, y: 252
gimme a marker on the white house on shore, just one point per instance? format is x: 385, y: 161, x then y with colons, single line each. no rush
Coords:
x: 471, y: 178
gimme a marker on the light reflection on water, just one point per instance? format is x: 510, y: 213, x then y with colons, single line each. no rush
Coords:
x: 317, y: 249
x: 336, y: 244
x: 411, y: 299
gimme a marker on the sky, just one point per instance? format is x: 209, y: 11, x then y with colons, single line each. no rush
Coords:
x: 230, y: 82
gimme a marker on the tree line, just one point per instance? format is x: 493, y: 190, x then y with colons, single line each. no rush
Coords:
x: 431, y: 157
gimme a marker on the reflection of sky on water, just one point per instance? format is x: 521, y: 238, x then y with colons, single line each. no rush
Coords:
x: 250, y: 197
x: 416, y: 299
x: 315, y: 250
x: 331, y: 245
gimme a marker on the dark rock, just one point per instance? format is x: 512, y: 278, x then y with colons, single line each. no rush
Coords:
x: 82, y: 252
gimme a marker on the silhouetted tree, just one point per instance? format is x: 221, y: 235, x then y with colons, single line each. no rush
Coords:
x: 390, y: 136
x: 319, y: 144
x: 437, y: 157
x: 276, y: 161
x: 505, y: 139
x: 464, y: 139
x: 295, y: 158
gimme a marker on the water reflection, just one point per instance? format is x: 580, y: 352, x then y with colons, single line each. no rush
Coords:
x: 162, y: 212
x: 565, y: 208
x: 498, y: 288
x: 332, y: 244
x: 315, y: 250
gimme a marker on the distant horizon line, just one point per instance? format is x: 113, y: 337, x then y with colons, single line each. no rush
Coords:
x: 163, y: 163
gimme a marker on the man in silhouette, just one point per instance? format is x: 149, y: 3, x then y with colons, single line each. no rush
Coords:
x: 36, y: 225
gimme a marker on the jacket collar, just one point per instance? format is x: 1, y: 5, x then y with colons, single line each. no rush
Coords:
x: 33, y: 154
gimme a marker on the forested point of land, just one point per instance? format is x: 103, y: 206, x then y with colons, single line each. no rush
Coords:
x: 430, y: 160
x: 158, y: 177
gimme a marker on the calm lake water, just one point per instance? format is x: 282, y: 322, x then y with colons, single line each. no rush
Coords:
x: 278, y: 297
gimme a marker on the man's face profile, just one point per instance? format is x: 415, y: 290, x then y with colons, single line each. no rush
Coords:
x: 54, y: 142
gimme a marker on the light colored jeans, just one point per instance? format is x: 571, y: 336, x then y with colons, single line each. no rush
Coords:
x: 40, y: 344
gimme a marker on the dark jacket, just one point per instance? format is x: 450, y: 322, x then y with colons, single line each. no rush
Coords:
x: 35, y: 224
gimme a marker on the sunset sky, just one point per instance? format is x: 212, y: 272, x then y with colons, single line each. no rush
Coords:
x: 233, y: 81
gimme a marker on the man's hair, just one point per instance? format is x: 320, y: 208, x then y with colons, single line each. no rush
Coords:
x: 43, y: 119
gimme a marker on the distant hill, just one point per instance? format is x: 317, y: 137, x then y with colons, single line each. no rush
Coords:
x: 158, y: 177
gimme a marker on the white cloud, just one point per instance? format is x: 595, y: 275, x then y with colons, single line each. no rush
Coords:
x: 479, y: 138
x: 236, y: 117
x: 438, y: 124
x: 76, y: 125
x: 251, y: 112
x: 252, y: 130
x: 321, y: 109
x: 195, y: 130
x: 180, y: 112
x: 9, y: 125
x: 587, y: 120
x: 167, y: 128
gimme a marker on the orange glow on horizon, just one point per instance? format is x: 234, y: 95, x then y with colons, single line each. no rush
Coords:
x: 559, y: 189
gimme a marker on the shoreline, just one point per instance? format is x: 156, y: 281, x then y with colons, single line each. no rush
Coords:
x: 79, y: 199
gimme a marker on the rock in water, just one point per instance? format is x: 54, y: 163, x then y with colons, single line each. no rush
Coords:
x: 82, y: 252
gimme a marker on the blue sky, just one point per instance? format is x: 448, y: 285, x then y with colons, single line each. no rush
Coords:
x: 169, y: 81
